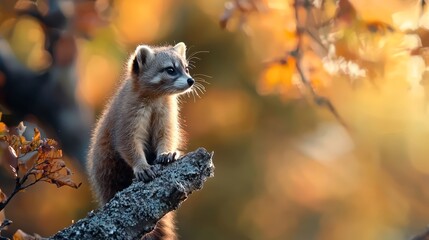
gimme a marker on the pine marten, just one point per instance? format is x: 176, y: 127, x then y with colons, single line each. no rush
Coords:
x: 140, y: 126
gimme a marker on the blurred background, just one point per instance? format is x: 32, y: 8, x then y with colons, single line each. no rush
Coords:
x: 286, y: 167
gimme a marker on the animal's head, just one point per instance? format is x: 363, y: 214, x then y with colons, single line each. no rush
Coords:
x: 161, y: 70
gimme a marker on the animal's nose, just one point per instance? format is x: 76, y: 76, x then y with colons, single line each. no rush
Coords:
x: 191, y: 81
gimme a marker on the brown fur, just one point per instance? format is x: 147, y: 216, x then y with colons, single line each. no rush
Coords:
x: 139, y: 124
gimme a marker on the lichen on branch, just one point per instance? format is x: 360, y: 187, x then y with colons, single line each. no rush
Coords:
x: 134, y: 211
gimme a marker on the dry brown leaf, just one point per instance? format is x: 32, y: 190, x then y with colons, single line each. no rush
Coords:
x: 65, y: 180
x: 54, y: 154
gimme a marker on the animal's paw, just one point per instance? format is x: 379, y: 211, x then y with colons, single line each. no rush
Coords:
x: 145, y: 174
x: 166, y: 158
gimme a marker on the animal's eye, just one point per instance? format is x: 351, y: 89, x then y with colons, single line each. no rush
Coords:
x: 170, y: 70
x: 187, y: 69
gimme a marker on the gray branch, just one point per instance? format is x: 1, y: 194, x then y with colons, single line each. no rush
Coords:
x: 134, y: 211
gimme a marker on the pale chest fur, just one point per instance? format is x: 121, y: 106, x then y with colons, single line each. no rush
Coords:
x: 158, y: 120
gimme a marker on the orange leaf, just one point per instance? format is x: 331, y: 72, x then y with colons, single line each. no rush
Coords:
x: 36, y: 137
x: 277, y: 78
x: 3, y: 128
x: 20, y: 235
x: 54, y: 154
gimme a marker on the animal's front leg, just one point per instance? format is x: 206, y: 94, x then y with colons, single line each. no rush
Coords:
x: 133, y: 154
x: 133, y: 151
x: 167, y: 135
x: 166, y: 151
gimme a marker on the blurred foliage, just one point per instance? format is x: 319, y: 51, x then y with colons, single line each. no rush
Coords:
x: 316, y: 111
x: 38, y: 160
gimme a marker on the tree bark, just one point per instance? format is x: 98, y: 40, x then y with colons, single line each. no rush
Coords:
x: 134, y: 211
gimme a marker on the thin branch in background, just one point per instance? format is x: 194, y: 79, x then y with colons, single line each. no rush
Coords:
x: 297, y: 54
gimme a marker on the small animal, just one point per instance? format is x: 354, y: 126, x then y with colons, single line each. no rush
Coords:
x: 140, y: 126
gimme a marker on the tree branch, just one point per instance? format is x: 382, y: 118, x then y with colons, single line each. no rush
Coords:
x: 134, y: 211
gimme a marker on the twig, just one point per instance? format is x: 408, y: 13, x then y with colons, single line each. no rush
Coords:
x: 297, y: 53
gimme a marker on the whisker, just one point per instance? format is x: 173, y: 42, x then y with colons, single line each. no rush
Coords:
x: 196, y: 93
x: 192, y: 58
x: 193, y: 94
x: 195, y: 53
x: 200, y: 86
x: 199, y: 89
x: 191, y: 65
x: 202, y: 91
x: 200, y: 80
x: 202, y: 75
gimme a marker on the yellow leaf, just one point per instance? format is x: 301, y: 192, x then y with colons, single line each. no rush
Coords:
x: 36, y: 137
x: 277, y: 78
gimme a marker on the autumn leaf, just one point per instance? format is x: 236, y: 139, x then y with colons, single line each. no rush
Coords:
x: 57, y: 164
x: 43, y: 162
x: 21, y: 235
x: 277, y: 78
x: 64, y: 180
x: 35, y: 143
x: 3, y: 128
x: 36, y: 136
x: 54, y: 154
x: 22, y: 167
x: 37, y: 173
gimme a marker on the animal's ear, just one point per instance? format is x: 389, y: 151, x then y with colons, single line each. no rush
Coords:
x: 180, y: 48
x: 142, y: 56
